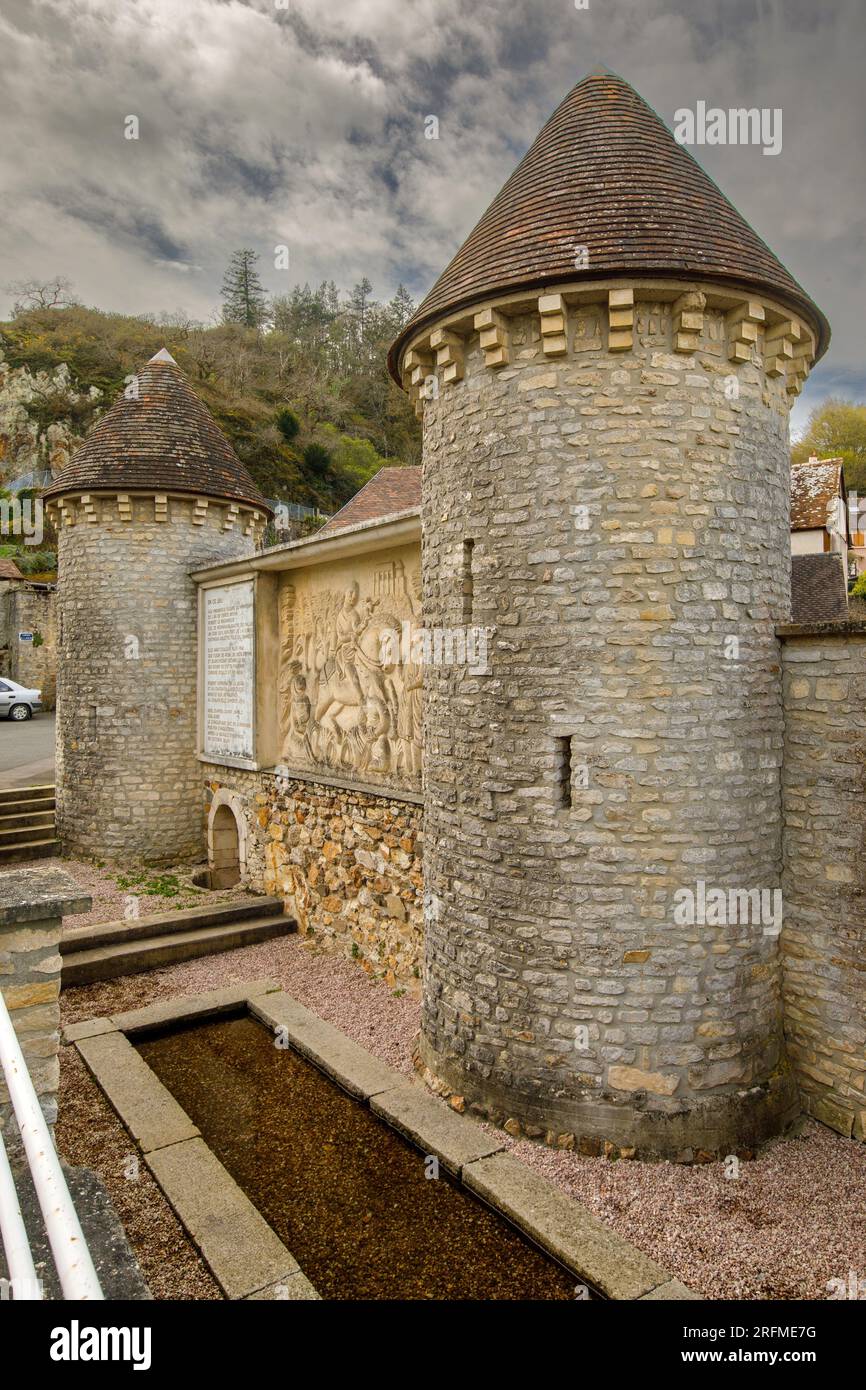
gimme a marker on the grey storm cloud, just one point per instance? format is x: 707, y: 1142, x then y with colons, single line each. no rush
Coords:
x: 263, y: 124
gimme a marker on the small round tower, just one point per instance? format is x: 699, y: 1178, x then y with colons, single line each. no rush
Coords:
x: 154, y: 492
x: 605, y: 371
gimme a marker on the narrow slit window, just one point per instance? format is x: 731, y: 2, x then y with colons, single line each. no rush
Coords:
x: 468, y: 581
x: 563, y: 763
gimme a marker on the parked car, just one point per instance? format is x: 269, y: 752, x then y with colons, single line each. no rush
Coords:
x: 17, y: 702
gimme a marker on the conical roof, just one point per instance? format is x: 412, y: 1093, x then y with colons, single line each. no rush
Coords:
x: 605, y: 173
x: 158, y: 437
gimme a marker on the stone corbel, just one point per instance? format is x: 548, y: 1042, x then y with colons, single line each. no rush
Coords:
x: 449, y: 354
x: 800, y: 366
x: 160, y: 507
x: 743, y: 324
x: 620, y: 310
x: 492, y: 328
x: 417, y: 368
x: 232, y: 512
x: 554, y: 320
x: 779, y: 343
x: 199, y: 511
x: 688, y: 321
x: 67, y: 512
x: 89, y: 506
x: 124, y: 506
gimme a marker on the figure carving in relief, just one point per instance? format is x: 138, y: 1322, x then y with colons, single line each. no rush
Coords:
x: 347, y: 699
x: 299, y: 721
x: 409, y: 719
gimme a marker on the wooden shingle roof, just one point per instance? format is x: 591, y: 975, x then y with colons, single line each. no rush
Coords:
x: 388, y: 492
x: 816, y: 486
x: 605, y: 173
x: 158, y: 438
x: 819, y: 589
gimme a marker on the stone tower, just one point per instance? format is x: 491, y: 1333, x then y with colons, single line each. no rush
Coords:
x: 605, y: 371
x: 154, y: 492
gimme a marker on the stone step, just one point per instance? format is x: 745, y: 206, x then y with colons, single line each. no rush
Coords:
x: 26, y: 793
x: 29, y: 849
x: 169, y: 923
x: 151, y: 953
x: 35, y: 807
x: 26, y: 821
x: 23, y: 833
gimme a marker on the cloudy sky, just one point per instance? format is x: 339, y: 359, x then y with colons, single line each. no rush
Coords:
x: 301, y: 122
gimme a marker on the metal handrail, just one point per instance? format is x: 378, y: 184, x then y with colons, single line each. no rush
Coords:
x: 75, y: 1268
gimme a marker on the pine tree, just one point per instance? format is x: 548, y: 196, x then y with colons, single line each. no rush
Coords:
x: 242, y: 292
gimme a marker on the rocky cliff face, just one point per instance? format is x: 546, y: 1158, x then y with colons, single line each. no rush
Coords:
x: 43, y: 418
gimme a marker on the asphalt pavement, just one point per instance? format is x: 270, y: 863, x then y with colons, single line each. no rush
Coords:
x: 27, y: 751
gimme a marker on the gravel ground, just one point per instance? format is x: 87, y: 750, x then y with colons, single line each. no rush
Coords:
x: 90, y: 1134
x: 794, y: 1219
x: 110, y: 898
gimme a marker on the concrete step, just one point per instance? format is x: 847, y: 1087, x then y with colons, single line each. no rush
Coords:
x: 26, y: 793
x: 29, y: 849
x: 21, y: 834
x: 36, y: 806
x: 26, y: 827
x: 151, y: 953
x: 169, y: 923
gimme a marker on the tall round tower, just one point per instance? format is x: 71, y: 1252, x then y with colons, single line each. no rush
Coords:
x: 154, y: 492
x: 605, y: 371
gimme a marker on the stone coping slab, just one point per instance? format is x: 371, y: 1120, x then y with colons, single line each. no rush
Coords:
x: 36, y: 895
x: 191, y: 1006
x: 244, y: 1254
x: 669, y: 1292
x: 434, y: 1128
x: 242, y: 1251
x: 567, y: 1230
x: 150, y: 1113
x: 89, y: 1028
x: 295, y: 1289
x: 358, y: 1072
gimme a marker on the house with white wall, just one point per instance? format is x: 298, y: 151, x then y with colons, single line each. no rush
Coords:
x: 819, y: 508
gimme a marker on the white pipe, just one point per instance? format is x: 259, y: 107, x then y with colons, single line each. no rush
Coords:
x: 75, y: 1269
x: 16, y: 1242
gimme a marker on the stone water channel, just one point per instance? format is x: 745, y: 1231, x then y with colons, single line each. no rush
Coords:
x: 347, y: 1194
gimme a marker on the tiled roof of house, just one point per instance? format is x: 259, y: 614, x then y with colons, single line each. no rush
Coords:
x: 9, y: 569
x: 815, y: 485
x: 389, y: 491
x: 605, y: 173
x: 819, y: 589
x: 159, y: 439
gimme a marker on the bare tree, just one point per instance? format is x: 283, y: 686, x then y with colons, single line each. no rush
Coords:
x: 41, y: 294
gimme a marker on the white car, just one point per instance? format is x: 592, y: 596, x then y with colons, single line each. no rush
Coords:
x: 17, y: 702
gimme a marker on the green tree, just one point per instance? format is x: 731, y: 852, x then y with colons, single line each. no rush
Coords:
x: 242, y: 292
x: 288, y: 424
x: 837, y: 429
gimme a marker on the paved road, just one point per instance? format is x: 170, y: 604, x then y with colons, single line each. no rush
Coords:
x: 27, y: 751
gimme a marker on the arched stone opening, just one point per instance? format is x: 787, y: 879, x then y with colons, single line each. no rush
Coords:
x: 226, y: 841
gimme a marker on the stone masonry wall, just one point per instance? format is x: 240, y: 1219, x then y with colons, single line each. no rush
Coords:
x: 824, y: 938
x: 33, y: 664
x: 30, y: 980
x: 347, y: 864
x: 628, y: 514
x: 32, y: 905
x: 128, y: 782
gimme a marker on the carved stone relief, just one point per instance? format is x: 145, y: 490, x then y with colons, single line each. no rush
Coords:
x: 350, y: 700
